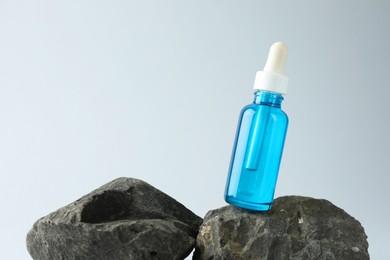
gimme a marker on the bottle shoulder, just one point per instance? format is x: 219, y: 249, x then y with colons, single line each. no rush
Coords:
x: 251, y: 110
x: 252, y: 107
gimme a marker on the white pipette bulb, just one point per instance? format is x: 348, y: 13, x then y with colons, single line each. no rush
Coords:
x: 277, y: 58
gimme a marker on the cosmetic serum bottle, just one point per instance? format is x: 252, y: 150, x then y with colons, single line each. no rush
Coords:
x: 260, y: 137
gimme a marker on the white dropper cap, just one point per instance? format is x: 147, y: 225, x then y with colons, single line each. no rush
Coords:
x: 272, y: 77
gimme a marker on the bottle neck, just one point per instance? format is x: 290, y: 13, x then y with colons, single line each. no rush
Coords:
x: 266, y: 98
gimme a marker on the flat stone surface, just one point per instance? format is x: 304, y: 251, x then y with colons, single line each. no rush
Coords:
x: 295, y: 228
x: 124, y: 219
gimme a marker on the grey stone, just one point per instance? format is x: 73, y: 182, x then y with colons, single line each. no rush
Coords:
x: 124, y: 219
x: 295, y: 228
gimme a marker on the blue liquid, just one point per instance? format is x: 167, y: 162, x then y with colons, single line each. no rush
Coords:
x: 257, y: 153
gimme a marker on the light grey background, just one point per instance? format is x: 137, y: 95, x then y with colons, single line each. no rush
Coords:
x: 94, y: 90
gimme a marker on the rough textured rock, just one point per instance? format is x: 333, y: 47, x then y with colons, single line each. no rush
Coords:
x: 295, y: 228
x: 124, y: 219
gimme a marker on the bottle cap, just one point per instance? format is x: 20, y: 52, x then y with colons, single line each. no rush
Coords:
x: 272, y: 77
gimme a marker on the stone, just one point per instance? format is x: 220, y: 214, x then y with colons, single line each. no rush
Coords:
x: 124, y: 219
x: 295, y: 228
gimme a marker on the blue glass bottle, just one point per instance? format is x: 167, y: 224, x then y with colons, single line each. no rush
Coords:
x: 257, y: 153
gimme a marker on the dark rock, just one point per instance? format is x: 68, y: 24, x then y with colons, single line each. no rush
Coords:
x: 295, y: 228
x: 124, y: 219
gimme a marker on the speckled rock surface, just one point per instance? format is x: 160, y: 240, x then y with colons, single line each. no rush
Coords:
x: 124, y: 219
x: 295, y: 228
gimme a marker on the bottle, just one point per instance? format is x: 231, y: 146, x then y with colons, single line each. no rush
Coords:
x: 260, y: 137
